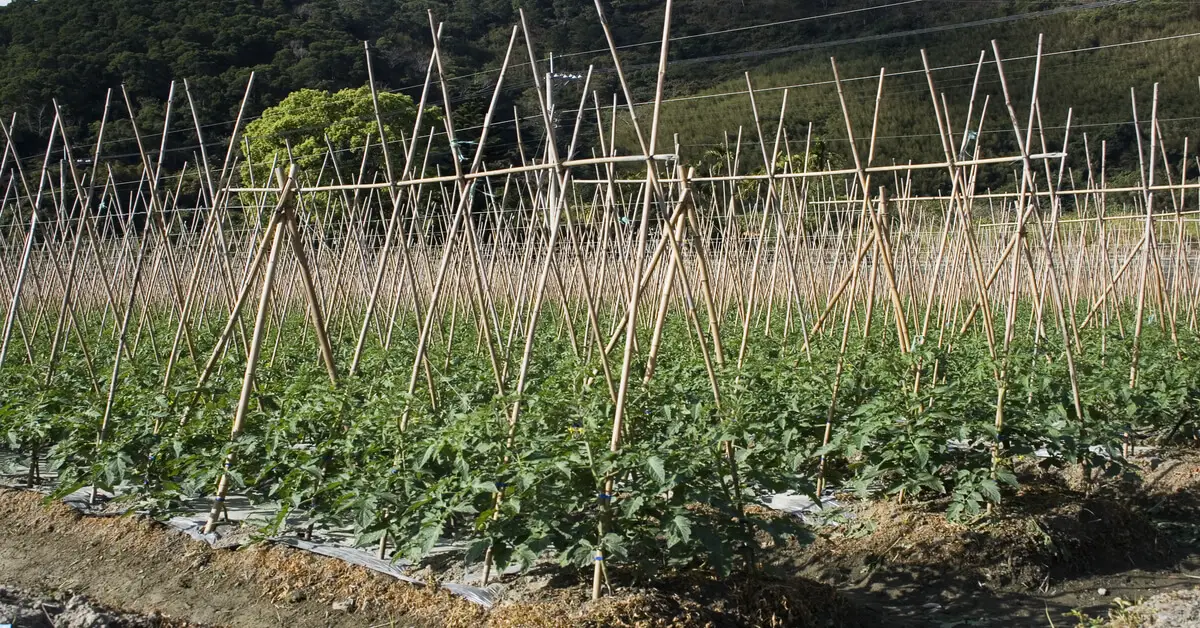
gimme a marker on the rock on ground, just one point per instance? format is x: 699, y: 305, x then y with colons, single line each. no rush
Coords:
x: 1176, y: 609
x: 23, y: 609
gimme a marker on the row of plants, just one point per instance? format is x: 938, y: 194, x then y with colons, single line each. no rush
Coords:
x: 684, y: 475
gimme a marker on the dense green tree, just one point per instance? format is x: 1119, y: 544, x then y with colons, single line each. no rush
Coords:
x: 297, y: 128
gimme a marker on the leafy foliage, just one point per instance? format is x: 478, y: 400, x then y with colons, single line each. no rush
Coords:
x: 460, y: 472
x: 298, y: 127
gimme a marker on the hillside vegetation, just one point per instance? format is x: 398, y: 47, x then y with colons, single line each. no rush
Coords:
x: 74, y: 50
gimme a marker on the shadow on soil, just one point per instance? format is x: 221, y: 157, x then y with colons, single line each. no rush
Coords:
x: 1053, y: 551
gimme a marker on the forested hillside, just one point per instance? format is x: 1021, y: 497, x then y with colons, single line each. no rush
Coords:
x: 74, y: 50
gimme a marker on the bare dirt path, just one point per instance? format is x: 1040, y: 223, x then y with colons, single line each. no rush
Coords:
x: 135, y: 564
x: 1053, y: 550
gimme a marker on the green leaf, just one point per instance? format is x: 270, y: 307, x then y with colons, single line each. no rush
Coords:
x: 989, y: 490
x: 679, y: 530
x: 614, y: 544
x: 1006, y: 477
x: 476, y: 550
x: 654, y: 465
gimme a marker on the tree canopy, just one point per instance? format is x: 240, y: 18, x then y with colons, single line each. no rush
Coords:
x: 299, y: 127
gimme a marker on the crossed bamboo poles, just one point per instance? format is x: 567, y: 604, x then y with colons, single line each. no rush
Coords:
x: 612, y: 250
